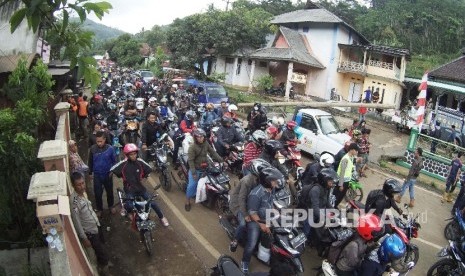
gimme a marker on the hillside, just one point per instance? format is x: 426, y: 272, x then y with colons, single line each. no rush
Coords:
x: 102, y: 32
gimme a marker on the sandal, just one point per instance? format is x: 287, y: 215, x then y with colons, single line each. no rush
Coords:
x: 187, y: 207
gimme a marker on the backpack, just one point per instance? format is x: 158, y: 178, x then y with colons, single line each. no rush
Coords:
x: 336, y: 247
x: 304, y: 197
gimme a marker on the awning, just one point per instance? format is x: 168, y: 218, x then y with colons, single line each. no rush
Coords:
x: 9, y: 63
x: 58, y: 71
x: 438, y: 85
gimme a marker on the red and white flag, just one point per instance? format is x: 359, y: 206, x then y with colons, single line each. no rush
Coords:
x: 421, y: 101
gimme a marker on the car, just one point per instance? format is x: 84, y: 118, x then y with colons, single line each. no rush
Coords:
x: 318, y: 131
x: 214, y: 93
x: 146, y: 75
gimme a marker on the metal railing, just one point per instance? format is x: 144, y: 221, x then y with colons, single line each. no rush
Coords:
x: 438, y: 147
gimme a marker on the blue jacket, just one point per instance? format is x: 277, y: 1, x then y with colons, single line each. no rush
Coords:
x: 101, y: 159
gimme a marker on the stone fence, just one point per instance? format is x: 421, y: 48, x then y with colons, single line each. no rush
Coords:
x: 55, y: 183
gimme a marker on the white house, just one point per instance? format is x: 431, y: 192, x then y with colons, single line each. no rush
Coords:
x: 317, y: 52
x: 22, y: 42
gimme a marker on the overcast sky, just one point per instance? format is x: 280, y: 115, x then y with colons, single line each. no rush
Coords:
x: 131, y: 15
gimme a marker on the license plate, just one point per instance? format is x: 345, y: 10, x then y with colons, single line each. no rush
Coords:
x: 297, y: 241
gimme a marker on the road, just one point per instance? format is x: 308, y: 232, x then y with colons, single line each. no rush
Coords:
x: 204, y: 234
x: 195, y: 239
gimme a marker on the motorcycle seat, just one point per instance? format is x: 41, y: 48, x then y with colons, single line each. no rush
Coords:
x: 230, y: 268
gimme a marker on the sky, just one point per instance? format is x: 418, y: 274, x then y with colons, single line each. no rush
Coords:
x: 131, y: 15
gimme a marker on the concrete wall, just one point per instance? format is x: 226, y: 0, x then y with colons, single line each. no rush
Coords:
x: 21, y: 41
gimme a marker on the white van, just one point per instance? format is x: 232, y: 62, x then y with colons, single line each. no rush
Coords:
x: 319, y: 132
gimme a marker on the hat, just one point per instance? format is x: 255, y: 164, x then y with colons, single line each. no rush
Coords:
x: 354, y: 146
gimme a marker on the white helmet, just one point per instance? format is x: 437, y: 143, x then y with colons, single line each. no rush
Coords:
x: 274, y: 120
x: 232, y: 107
x: 152, y: 99
x: 259, y: 137
x: 280, y: 121
x: 326, y: 160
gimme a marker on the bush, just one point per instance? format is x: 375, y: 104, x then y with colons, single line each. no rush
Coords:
x: 217, y: 77
x: 264, y: 82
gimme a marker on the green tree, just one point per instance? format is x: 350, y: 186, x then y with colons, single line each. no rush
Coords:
x: 156, y: 65
x: 125, y: 50
x: 41, y: 15
x: 156, y: 36
x: 195, y: 38
x: 29, y: 90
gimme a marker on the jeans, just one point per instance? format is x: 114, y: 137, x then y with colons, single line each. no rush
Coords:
x: 434, y: 143
x: 240, y: 227
x: 130, y: 206
x: 253, y: 234
x: 410, y: 184
x: 101, y: 182
x: 460, y: 201
x: 450, y: 184
x: 191, y: 190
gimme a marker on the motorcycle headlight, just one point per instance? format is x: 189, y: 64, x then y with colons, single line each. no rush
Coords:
x: 144, y: 216
x: 162, y: 158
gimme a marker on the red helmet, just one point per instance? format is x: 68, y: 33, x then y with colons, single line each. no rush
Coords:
x: 369, y: 227
x: 128, y: 148
x: 98, y: 97
x: 272, y: 130
x: 291, y: 125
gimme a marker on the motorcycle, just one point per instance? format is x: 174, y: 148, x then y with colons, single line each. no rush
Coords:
x: 286, y: 244
x: 226, y: 266
x: 452, y: 262
x: 236, y: 158
x: 280, y: 91
x: 217, y: 188
x: 182, y: 173
x: 131, y: 132
x: 455, y: 229
x: 354, y: 191
x: 293, y: 158
x: 407, y: 228
x: 141, y: 221
x: 158, y: 153
x: 140, y: 104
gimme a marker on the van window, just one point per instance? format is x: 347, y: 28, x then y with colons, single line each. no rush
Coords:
x: 308, y: 123
x: 328, y: 124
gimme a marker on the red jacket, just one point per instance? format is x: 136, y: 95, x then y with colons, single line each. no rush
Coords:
x: 184, y: 128
x: 251, y: 152
x: 362, y: 110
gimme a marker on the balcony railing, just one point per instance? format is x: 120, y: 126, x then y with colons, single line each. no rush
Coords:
x: 352, y: 66
x: 381, y: 64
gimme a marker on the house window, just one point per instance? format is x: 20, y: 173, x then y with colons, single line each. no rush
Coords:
x: 262, y: 64
x: 305, y: 29
x: 229, y: 60
x: 239, y: 64
x: 249, y: 62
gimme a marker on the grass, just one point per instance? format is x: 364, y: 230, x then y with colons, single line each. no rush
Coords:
x: 383, y: 164
x: 238, y: 96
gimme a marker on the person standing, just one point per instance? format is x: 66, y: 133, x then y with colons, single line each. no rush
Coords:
x: 101, y: 159
x: 83, y: 112
x: 435, y: 133
x: 75, y: 161
x: 344, y: 171
x: 453, y: 177
x: 452, y: 136
x: 362, y: 110
x: 414, y: 172
x: 86, y: 221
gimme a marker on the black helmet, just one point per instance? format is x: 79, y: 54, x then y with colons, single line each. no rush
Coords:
x: 272, y: 146
x: 266, y: 175
x: 257, y: 165
x: 391, y: 187
x: 226, y: 120
x: 199, y: 132
x: 327, y: 174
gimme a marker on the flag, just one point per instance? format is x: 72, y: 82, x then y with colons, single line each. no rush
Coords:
x: 421, y: 101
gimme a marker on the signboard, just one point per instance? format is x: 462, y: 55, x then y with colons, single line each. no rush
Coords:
x: 299, y: 78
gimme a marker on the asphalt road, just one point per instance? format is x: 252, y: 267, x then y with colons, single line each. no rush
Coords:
x: 202, y: 231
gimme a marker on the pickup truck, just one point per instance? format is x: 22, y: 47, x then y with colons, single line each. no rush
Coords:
x: 318, y: 131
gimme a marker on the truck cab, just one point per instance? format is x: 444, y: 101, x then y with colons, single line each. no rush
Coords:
x: 318, y: 132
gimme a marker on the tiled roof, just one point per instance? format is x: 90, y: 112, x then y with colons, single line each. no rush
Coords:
x: 452, y: 71
x: 297, y: 51
x: 317, y: 15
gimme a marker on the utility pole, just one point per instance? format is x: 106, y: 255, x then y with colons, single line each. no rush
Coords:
x: 227, y: 4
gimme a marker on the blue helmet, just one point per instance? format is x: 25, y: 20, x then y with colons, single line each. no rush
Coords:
x: 392, y: 248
